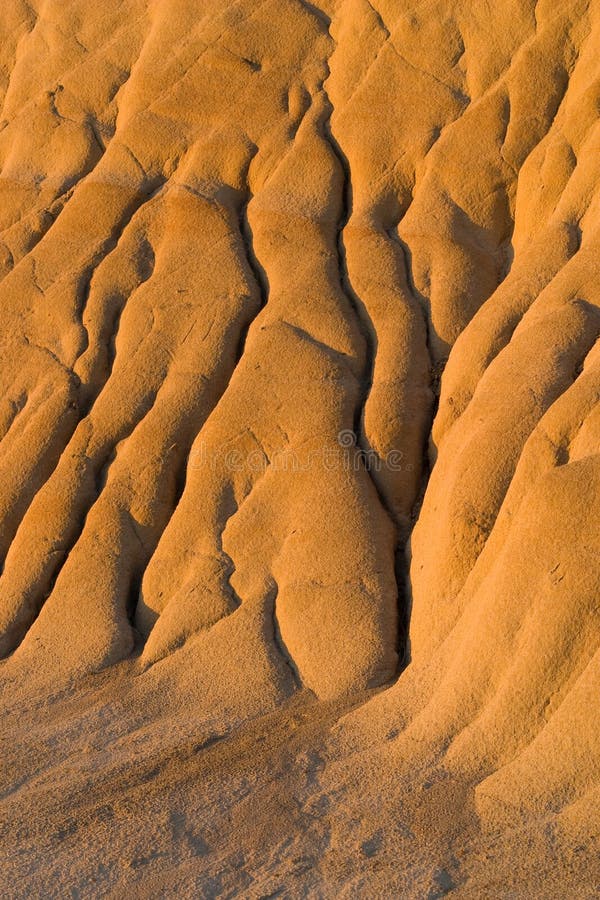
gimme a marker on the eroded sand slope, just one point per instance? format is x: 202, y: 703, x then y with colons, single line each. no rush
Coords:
x: 299, y: 319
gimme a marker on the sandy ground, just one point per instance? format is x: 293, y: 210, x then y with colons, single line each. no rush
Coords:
x: 105, y: 795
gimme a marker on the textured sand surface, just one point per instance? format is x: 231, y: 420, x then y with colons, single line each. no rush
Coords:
x: 300, y: 448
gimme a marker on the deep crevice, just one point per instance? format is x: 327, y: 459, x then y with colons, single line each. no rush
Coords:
x: 279, y: 642
x: 369, y: 335
x: 145, y: 195
x: 43, y: 590
x: 363, y: 319
x: 258, y: 273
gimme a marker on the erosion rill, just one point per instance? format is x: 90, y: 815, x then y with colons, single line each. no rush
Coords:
x: 300, y: 448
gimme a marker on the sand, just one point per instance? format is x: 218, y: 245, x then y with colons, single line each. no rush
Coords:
x: 300, y: 448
